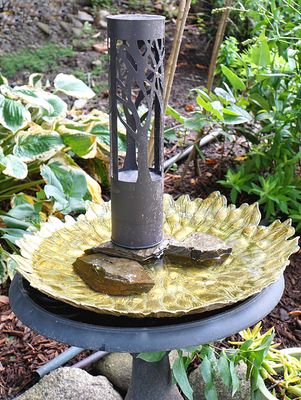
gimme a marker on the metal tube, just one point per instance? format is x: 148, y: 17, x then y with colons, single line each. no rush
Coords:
x: 90, y: 359
x: 208, y: 138
x: 56, y: 362
x: 136, y: 49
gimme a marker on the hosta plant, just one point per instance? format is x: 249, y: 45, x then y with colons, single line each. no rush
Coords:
x: 58, y: 155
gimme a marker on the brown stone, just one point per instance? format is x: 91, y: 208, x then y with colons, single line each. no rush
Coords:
x: 138, y: 255
x: 112, y: 275
x: 199, y: 247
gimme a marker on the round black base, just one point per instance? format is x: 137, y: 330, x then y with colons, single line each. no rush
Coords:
x: 89, y: 330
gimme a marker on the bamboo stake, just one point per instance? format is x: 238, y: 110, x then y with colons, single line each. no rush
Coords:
x: 171, y: 65
x: 217, y: 44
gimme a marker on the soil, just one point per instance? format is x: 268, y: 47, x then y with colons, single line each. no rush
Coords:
x: 21, y: 350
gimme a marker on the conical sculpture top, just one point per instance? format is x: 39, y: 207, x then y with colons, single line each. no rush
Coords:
x: 136, y: 49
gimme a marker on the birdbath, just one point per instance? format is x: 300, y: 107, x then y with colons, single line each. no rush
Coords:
x: 143, y: 272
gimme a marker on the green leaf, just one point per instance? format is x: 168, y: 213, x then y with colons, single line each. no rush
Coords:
x: 175, y: 114
x: 220, y: 92
x: 236, y: 115
x: 14, y: 223
x: 260, y: 53
x: 33, y: 98
x: 260, y: 101
x: 35, y: 80
x: 59, y: 107
x: 72, y: 86
x: 223, y: 366
x: 3, y: 80
x: 196, y: 123
x: 102, y: 133
x: 67, y: 186
x: 207, y: 374
x: 170, y: 135
x: 13, y: 115
x: 37, y: 144
x: 206, y: 105
x: 152, y: 356
x: 13, y: 166
x: 264, y: 391
x: 180, y: 376
x: 12, y: 234
x: 235, y: 81
x: 82, y: 144
x: 234, y: 378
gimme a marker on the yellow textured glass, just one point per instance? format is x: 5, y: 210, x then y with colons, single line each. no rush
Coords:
x: 259, y: 256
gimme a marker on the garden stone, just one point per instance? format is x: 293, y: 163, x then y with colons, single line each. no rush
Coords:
x: 71, y: 384
x: 85, y: 17
x: 223, y: 393
x: 113, y: 275
x: 101, y: 18
x: 44, y: 28
x: 117, y: 367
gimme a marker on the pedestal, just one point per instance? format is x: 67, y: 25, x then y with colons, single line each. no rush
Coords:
x: 150, y: 381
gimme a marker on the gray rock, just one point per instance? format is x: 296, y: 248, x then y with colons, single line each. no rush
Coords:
x: 66, y: 26
x: 85, y: 17
x: 101, y: 18
x: 44, y: 28
x: 112, y: 249
x: 76, y: 32
x: 113, y: 275
x: 198, y: 246
x: 223, y: 393
x: 77, y: 24
x: 117, y: 367
x: 71, y: 384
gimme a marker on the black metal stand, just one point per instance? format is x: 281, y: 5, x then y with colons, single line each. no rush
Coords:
x: 90, y: 330
x: 152, y: 380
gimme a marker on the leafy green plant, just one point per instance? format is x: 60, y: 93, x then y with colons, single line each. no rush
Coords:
x: 41, y: 59
x: 102, y: 3
x: 35, y: 125
x: 265, y: 81
x: 268, y: 369
x: 42, y: 144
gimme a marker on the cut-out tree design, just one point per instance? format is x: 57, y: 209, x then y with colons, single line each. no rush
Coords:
x: 136, y: 48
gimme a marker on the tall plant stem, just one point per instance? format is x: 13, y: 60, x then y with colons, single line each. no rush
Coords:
x: 171, y: 66
x: 5, y: 194
x: 216, y: 47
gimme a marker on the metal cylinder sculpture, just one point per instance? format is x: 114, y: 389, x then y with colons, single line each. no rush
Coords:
x: 136, y: 48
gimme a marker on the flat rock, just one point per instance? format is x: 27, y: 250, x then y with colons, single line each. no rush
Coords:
x: 141, y: 255
x: 44, y: 28
x: 223, y: 392
x: 198, y: 246
x: 117, y: 367
x: 101, y: 18
x: 71, y: 384
x: 112, y: 275
x: 84, y: 16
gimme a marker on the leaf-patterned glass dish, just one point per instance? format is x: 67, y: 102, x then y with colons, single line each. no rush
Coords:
x: 258, y: 258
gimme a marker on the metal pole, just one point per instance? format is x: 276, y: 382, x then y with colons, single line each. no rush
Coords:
x: 56, y: 362
x: 136, y: 48
x: 90, y: 359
